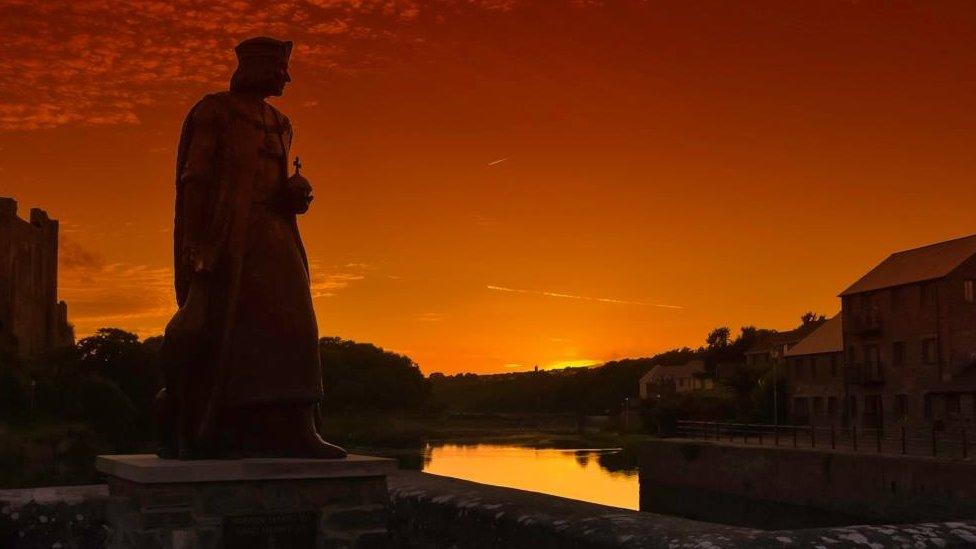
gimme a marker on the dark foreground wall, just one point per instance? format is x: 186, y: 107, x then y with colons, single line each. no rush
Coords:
x: 436, y: 512
x: 774, y: 488
x: 430, y: 511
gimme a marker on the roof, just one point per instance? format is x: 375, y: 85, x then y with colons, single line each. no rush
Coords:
x: 680, y: 370
x: 772, y: 340
x: 926, y: 263
x: 827, y: 338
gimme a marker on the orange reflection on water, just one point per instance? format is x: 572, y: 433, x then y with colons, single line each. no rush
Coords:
x: 574, y: 474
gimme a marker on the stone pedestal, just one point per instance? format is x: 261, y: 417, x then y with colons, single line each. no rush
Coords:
x: 246, y: 503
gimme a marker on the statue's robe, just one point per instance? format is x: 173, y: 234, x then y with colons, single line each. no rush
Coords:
x: 245, y: 333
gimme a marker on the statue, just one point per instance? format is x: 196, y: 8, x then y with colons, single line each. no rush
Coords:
x: 240, y: 356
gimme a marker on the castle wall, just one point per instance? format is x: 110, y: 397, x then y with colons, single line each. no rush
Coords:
x: 31, y: 318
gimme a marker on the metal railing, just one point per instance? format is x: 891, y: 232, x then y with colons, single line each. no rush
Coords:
x: 948, y: 443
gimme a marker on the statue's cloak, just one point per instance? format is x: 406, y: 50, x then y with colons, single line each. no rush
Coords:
x: 218, y: 161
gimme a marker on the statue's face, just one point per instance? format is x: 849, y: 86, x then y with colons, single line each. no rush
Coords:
x: 265, y: 76
x: 279, y: 79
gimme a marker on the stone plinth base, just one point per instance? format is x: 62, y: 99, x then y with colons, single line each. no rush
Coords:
x: 247, y: 503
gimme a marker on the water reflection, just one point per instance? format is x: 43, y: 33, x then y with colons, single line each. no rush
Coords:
x: 604, y: 476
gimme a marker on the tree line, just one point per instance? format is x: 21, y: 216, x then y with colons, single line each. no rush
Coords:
x: 109, y: 380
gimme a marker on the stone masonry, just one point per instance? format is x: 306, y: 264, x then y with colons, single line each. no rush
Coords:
x: 246, y: 503
x: 32, y: 320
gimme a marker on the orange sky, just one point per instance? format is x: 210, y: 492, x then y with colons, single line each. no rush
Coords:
x: 740, y: 162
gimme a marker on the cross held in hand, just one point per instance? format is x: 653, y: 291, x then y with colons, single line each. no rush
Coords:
x: 298, y: 165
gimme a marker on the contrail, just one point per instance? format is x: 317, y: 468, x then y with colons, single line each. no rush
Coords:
x: 497, y: 162
x: 580, y: 297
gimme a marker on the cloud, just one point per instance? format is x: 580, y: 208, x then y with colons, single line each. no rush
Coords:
x: 327, y: 281
x: 73, y: 256
x: 134, y: 297
x: 430, y: 317
x: 99, y: 62
x: 580, y: 297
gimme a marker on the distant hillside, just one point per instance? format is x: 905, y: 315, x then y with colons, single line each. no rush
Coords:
x: 596, y: 389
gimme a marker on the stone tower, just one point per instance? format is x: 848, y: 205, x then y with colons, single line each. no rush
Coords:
x: 32, y: 320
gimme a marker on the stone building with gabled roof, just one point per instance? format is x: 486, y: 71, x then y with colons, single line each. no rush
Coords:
x: 815, y: 374
x: 772, y: 346
x: 665, y: 379
x: 909, y: 336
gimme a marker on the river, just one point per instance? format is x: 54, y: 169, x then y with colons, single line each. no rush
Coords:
x: 603, y: 476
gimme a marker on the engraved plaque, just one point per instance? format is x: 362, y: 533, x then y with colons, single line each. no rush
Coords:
x: 273, y: 530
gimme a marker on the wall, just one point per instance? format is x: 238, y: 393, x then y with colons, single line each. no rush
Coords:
x: 31, y: 318
x: 826, y: 381
x: 439, y: 512
x: 790, y: 488
x: 906, y: 318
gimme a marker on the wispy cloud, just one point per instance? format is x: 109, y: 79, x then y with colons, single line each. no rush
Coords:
x: 497, y: 162
x: 134, y: 297
x: 579, y: 297
x: 430, y: 317
x: 327, y: 281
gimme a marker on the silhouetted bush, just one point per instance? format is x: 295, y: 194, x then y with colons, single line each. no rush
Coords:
x: 107, y: 408
x: 361, y: 376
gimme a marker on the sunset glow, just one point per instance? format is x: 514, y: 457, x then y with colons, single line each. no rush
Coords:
x: 502, y: 184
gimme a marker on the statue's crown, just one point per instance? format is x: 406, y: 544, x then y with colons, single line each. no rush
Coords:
x: 262, y: 46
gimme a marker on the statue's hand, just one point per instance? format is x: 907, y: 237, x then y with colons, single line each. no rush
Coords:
x: 298, y: 194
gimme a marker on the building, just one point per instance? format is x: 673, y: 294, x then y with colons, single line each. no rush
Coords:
x: 771, y: 346
x: 32, y: 320
x: 662, y: 379
x: 909, y: 335
x: 815, y: 372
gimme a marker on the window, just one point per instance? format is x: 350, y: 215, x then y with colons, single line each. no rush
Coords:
x: 871, y: 354
x: 813, y: 368
x: 851, y: 355
x: 818, y: 406
x: 927, y: 292
x: 872, y: 408
x: 967, y: 287
x: 952, y: 404
x: 901, y: 406
x: 896, y: 298
x: 832, y: 406
x: 833, y: 364
x: 852, y: 406
x: 898, y: 353
x: 800, y: 406
x: 928, y: 406
x: 930, y: 352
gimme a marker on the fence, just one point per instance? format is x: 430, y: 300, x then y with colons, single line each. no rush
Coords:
x: 948, y: 444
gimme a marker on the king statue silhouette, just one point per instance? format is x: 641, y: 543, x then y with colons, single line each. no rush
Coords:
x: 240, y: 356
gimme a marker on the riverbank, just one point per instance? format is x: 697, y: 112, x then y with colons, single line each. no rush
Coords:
x: 50, y: 453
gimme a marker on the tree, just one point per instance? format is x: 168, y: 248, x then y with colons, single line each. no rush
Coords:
x: 718, y: 338
x: 119, y: 357
x: 361, y: 376
x: 811, y: 317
